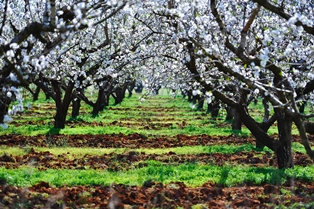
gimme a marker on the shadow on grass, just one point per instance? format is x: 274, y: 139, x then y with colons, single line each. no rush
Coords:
x: 232, y: 149
x: 254, y: 176
x: 224, y: 176
x: 54, y: 131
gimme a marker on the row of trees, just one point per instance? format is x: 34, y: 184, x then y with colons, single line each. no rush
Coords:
x: 230, y: 52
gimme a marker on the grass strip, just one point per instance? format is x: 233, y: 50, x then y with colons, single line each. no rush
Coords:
x: 33, y: 130
x: 81, y: 151
x: 191, y: 174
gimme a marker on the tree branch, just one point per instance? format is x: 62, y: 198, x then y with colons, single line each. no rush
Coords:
x: 281, y: 13
x: 247, y: 27
x: 53, y: 13
x: 4, y: 16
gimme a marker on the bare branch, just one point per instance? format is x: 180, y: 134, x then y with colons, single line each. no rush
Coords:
x: 307, y: 115
x: 112, y: 13
x: 247, y: 27
x: 4, y: 16
x: 281, y: 13
x: 53, y: 13
x: 217, y: 16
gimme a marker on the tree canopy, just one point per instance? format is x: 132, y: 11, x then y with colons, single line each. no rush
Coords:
x: 224, y: 50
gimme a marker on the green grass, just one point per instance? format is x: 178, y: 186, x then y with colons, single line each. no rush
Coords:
x: 33, y: 130
x: 190, y: 174
x: 193, y: 174
x: 78, y: 151
x: 129, y: 111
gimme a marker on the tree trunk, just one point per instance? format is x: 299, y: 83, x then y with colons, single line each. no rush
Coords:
x: 259, y: 144
x: 302, y: 107
x: 138, y: 86
x: 309, y: 127
x: 36, y: 94
x: 130, y: 87
x: 230, y: 113
x: 284, y: 157
x: 256, y: 129
x: 195, y: 99
x: 200, y: 104
x: 62, y: 105
x: 100, y: 102
x: 190, y: 96
x: 284, y: 151
x: 47, y: 96
x: 214, y: 108
x: 237, y: 122
x: 215, y: 112
x: 76, y: 105
x: 119, y: 94
x: 59, y: 120
x: 156, y: 90
x: 266, y: 110
x: 4, y: 106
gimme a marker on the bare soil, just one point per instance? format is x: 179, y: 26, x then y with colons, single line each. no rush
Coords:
x: 293, y: 194
x: 151, y: 194
x: 156, y: 195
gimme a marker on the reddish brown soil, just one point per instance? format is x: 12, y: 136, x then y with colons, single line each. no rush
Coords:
x: 132, y: 159
x: 156, y: 195
x: 151, y: 194
x: 125, y: 141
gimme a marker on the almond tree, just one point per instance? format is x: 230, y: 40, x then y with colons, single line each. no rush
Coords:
x: 36, y: 36
x: 238, y: 48
x: 254, y: 45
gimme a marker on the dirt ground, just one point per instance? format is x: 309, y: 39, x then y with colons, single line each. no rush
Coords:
x: 151, y: 194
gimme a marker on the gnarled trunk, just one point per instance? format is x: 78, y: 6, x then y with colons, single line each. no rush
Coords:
x: 309, y: 127
x: 76, y: 105
x: 284, y: 152
x: 101, y: 102
x: 200, y: 103
x: 76, y: 102
x: 230, y: 113
x: 214, y: 108
x: 119, y: 93
x: 62, y: 105
x: 36, y: 94
x: 4, y: 106
x: 190, y: 96
x: 237, y: 122
x: 130, y: 87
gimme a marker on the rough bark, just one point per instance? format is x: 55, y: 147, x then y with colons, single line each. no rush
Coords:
x: 267, y: 122
x: 200, y: 103
x: 130, y: 87
x: 265, y: 125
x: 36, y: 94
x: 309, y: 127
x: 284, y: 152
x: 101, y: 101
x: 237, y: 122
x: 119, y: 93
x: 230, y: 113
x: 76, y: 105
x: 214, y: 108
x: 4, y: 106
x: 62, y: 105
x: 138, y: 87
x: 190, y: 96
x: 256, y: 130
